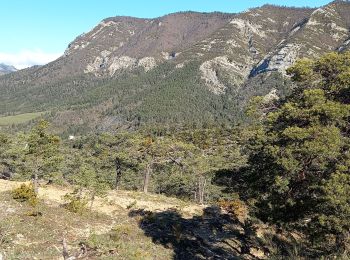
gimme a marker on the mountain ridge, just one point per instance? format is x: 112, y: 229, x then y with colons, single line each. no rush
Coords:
x: 122, y: 70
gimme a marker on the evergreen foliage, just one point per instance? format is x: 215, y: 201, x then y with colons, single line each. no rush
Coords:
x: 300, y: 153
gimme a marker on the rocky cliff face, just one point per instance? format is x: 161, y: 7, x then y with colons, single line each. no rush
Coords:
x: 222, y: 53
x: 325, y: 29
x: 121, y: 43
x: 265, y: 39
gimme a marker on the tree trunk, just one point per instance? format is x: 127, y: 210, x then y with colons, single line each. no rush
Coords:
x: 118, y: 173
x: 201, y: 189
x: 92, y: 201
x: 35, y: 183
x: 146, y: 178
x: 65, y: 253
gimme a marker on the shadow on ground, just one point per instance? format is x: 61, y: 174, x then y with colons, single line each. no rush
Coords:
x: 214, y: 235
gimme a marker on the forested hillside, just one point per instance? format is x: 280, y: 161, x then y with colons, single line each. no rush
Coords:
x: 184, y: 68
x: 275, y: 187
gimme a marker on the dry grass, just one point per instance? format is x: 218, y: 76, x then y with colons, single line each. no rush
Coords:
x: 106, y: 233
x: 115, y: 200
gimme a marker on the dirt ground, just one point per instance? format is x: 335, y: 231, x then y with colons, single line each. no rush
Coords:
x: 115, y: 199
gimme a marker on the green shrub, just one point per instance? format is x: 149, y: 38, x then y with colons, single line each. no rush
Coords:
x: 100, y: 243
x: 235, y: 207
x: 75, y: 203
x: 25, y: 193
x: 121, y: 231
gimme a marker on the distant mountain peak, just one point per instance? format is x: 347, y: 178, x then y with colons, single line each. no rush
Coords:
x: 4, y: 69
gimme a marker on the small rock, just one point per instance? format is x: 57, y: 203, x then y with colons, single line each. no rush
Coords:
x: 234, y: 243
x: 20, y: 236
x: 10, y: 210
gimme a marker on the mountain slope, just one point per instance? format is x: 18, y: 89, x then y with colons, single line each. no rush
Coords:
x: 4, y: 69
x: 181, y: 68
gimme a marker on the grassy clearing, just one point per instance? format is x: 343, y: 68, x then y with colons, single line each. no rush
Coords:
x: 19, y: 119
x: 129, y: 225
x: 108, y: 232
x: 116, y: 200
x: 93, y: 234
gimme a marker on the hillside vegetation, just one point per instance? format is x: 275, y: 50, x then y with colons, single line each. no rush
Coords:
x: 275, y: 187
x: 182, y: 69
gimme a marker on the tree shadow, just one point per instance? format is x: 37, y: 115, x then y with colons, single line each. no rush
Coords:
x: 214, y: 235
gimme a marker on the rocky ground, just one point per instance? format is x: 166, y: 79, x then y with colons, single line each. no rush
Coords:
x: 129, y: 225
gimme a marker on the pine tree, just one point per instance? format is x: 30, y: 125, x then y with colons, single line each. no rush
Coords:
x: 42, y: 155
x: 300, y: 157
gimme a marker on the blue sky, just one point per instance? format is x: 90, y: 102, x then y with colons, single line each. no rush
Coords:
x: 37, y: 31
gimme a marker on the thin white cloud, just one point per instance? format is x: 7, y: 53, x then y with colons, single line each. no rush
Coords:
x: 27, y: 58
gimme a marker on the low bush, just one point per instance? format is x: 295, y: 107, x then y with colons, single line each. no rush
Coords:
x: 235, y: 207
x: 75, y: 203
x: 120, y: 232
x: 25, y: 193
